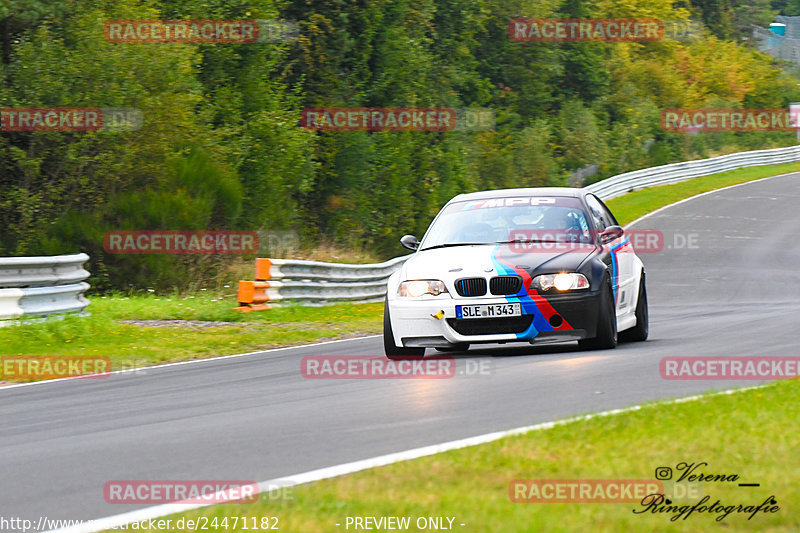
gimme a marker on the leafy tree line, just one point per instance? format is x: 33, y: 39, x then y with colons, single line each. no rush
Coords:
x: 221, y: 146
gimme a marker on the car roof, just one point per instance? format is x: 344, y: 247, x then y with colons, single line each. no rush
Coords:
x: 527, y: 191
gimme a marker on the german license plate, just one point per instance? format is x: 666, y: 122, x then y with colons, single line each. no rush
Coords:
x: 488, y: 310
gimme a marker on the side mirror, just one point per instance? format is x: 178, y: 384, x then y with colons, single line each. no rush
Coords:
x: 611, y: 233
x: 410, y: 242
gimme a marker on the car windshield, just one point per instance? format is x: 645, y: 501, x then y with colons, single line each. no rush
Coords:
x: 513, y: 219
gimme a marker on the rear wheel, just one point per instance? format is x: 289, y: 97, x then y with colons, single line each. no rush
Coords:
x: 606, y: 323
x: 640, y: 331
x: 391, y: 350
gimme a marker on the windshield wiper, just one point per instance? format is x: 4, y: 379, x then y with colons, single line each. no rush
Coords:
x: 536, y: 241
x: 450, y: 244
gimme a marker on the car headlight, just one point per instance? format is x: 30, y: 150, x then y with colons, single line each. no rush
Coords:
x: 565, y: 281
x: 417, y: 288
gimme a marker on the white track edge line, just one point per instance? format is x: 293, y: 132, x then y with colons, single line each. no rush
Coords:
x: 662, y: 208
x: 158, y: 511
x: 177, y: 363
x: 629, y: 224
x: 383, y: 460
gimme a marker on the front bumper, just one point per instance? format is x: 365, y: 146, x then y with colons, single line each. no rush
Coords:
x: 415, y: 324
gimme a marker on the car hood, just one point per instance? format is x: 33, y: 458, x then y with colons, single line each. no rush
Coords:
x: 488, y: 260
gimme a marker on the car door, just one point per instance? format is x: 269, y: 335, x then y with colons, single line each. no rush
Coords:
x: 623, y: 279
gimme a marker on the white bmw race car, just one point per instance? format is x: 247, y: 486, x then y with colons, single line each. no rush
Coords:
x: 517, y: 265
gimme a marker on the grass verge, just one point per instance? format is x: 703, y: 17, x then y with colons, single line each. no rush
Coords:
x: 219, y: 331
x: 741, y: 433
x: 633, y: 205
x: 104, y: 333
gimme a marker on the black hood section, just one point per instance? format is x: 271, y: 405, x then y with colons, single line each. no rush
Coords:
x: 541, y: 261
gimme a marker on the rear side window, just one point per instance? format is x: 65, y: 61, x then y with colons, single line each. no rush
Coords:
x: 600, y: 214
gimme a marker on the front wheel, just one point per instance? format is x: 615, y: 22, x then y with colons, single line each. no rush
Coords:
x: 606, y: 323
x: 391, y: 350
x: 642, y: 328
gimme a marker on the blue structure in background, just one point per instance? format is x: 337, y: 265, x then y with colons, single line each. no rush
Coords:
x: 778, y: 28
x: 781, y: 40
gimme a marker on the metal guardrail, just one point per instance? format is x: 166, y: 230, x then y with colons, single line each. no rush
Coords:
x: 40, y: 286
x: 42, y: 271
x: 317, y: 281
x: 319, y: 291
x: 306, y: 281
x: 267, y: 269
x: 677, y: 172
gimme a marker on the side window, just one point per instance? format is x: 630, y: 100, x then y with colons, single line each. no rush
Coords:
x: 599, y: 214
x: 607, y: 216
x: 600, y: 210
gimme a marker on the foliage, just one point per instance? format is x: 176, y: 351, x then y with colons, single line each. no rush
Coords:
x: 221, y: 146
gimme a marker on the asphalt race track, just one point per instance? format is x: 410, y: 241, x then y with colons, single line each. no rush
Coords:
x: 736, y: 291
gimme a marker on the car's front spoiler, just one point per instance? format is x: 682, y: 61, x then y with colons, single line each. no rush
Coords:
x: 424, y: 323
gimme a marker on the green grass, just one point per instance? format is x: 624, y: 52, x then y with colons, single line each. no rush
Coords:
x: 631, y: 206
x: 102, y: 333
x: 742, y: 433
x: 130, y: 346
x: 750, y: 434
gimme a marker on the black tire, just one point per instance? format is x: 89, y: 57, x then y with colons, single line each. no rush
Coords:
x: 606, y: 337
x: 389, y: 348
x: 455, y: 348
x: 642, y: 328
